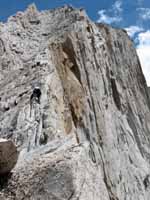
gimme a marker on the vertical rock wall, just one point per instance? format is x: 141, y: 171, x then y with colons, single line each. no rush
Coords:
x: 74, y: 100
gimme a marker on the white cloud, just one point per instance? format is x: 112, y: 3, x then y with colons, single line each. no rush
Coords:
x: 132, y: 30
x: 143, y: 50
x: 112, y: 15
x: 103, y: 17
x: 144, y: 13
x: 117, y: 7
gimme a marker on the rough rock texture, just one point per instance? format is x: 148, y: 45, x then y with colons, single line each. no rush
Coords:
x: 74, y: 100
x: 8, y: 156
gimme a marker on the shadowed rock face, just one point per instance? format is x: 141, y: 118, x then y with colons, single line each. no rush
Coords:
x: 8, y: 156
x: 74, y: 100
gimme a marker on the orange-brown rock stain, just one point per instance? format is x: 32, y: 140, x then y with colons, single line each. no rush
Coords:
x: 74, y: 95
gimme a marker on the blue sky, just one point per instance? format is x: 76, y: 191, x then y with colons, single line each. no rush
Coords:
x: 133, y: 15
x: 9, y: 7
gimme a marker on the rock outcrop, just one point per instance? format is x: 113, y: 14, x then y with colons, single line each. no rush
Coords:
x: 8, y: 156
x: 74, y: 100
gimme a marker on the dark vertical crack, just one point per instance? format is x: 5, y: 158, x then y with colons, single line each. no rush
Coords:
x: 115, y: 93
x: 2, y: 47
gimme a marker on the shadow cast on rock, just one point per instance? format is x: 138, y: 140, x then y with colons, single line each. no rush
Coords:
x: 4, y: 178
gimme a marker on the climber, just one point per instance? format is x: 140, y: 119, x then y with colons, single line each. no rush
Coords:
x: 36, y: 95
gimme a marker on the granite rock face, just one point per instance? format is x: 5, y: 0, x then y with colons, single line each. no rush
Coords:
x: 74, y: 100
